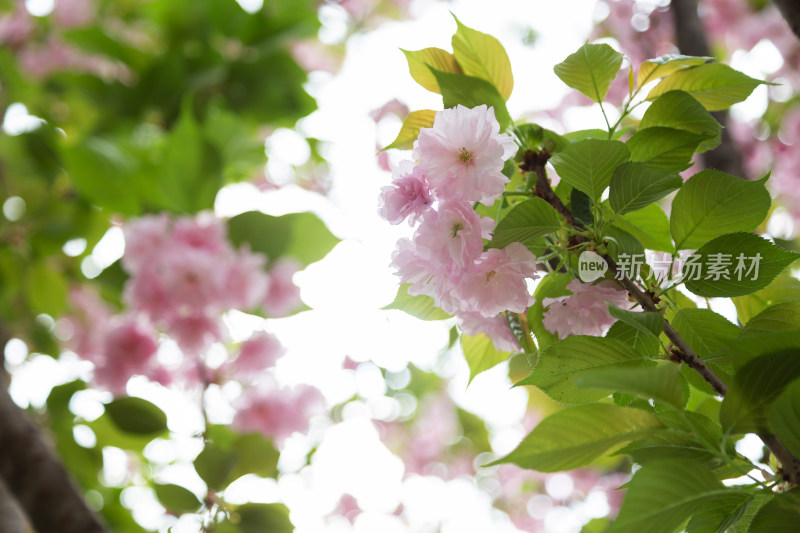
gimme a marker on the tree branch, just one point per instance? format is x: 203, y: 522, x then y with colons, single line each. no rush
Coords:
x: 32, y: 472
x: 790, y: 9
x: 691, y: 40
x: 535, y: 162
x: 12, y: 519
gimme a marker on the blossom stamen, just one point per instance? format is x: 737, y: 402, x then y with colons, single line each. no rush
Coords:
x: 465, y: 156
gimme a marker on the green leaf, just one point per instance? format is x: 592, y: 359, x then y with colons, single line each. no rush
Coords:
x: 588, y: 165
x: 302, y: 236
x: 645, y: 321
x: 663, y: 495
x: 661, y: 383
x: 421, y: 61
x: 704, y: 330
x: 261, y: 518
x: 637, y: 185
x: 136, y: 415
x: 577, y: 436
x: 784, y: 416
x: 420, y: 306
x: 779, y: 317
x: 735, y: 254
x: 720, y: 512
x: 581, y: 135
x: 483, y: 56
x: 642, y: 342
x: 187, y: 176
x: 176, y: 499
x: 254, y: 455
x: 779, y: 515
x: 747, y: 348
x: 712, y: 203
x: 214, y: 465
x: 664, y: 147
x: 469, y: 91
x: 751, y: 509
x: 109, y: 434
x: 652, y: 69
x: 680, y: 110
x: 563, y: 363
x: 714, y: 85
x: 103, y: 173
x: 528, y: 220
x: 649, y: 225
x: 590, y: 70
x: 409, y: 131
x: 620, y: 242
x: 46, y: 290
x: 480, y: 353
x: 782, y: 289
x: 757, y: 384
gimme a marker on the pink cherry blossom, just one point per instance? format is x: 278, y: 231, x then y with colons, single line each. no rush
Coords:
x: 89, y: 318
x: 16, y: 26
x: 145, y: 238
x: 194, y: 332
x: 257, y: 354
x: 193, y: 279
x: 585, y: 311
x: 201, y: 232
x: 246, y: 283
x: 313, y: 55
x: 463, y: 154
x: 453, y: 234
x: 407, y: 197
x: 427, y: 277
x: 73, y: 13
x: 496, y: 328
x: 128, y: 348
x: 282, y: 295
x: 276, y: 412
x: 496, y: 282
x: 392, y: 107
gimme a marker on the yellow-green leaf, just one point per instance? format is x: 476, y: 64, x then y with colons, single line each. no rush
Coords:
x: 714, y: 85
x: 482, y: 56
x: 415, y: 121
x: 652, y: 69
x: 419, y: 62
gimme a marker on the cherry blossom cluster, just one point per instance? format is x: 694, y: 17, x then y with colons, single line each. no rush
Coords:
x: 184, y: 275
x: 585, y: 311
x: 457, y: 162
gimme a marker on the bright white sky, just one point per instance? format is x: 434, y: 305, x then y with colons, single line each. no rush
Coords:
x: 347, y: 288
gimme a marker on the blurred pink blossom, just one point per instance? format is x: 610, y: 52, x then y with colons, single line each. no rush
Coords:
x: 276, y: 412
x: 16, y: 26
x: 73, y: 13
x: 39, y: 61
x: 257, y: 354
x: 128, y: 348
x: 282, y: 295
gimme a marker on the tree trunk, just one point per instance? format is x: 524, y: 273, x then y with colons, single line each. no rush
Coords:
x: 691, y: 40
x: 33, y: 474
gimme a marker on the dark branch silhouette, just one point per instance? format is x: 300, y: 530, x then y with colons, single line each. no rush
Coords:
x: 790, y: 9
x: 32, y: 472
x: 691, y: 40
